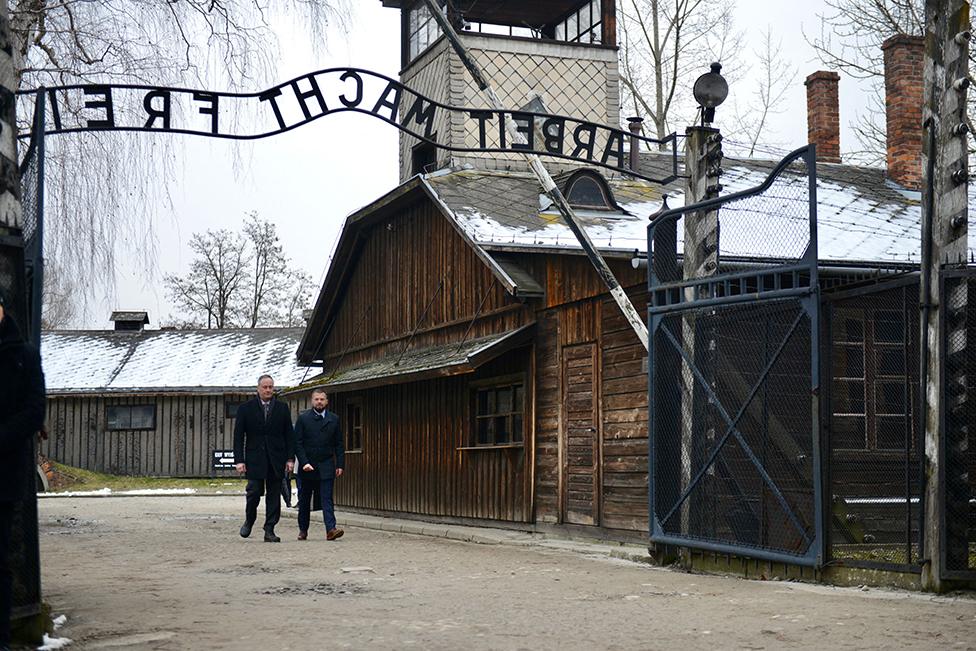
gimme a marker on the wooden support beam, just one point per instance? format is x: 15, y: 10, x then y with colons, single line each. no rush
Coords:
x: 944, y: 244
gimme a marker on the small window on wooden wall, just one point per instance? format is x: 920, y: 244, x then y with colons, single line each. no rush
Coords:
x: 129, y: 417
x: 499, y: 411
x: 354, y: 426
x: 872, y: 396
x: 231, y: 407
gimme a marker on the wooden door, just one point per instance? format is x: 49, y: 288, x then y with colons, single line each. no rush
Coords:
x: 580, y: 419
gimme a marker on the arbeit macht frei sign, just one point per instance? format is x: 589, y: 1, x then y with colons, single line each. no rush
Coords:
x: 249, y: 116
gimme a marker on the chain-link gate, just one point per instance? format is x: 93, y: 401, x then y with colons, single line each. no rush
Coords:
x: 24, y: 268
x: 872, y: 428
x: 32, y: 200
x: 957, y: 474
x: 734, y: 371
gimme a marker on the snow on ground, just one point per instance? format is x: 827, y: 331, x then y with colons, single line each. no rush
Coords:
x: 105, y: 492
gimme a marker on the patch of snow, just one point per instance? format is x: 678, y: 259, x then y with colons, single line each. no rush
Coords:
x: 110, y: 361
x: 51, y: 643
x: 59, y: 621
x: 104, y: 492
x: 854, y: 223
x: 159, y: 491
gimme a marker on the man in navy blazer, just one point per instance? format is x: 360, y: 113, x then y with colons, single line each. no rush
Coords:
x: 264, y: 445
x: 318, y: 444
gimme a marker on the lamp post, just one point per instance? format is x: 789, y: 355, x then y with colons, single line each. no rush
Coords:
x: 710, y: 91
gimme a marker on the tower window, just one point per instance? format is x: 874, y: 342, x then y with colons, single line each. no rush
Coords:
x: 585, y: 25
x: 422, y: 29
x: 423, y: 158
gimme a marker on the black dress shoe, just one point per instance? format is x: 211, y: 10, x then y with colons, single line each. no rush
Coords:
x: 246, y: 529
x: 270, y: 537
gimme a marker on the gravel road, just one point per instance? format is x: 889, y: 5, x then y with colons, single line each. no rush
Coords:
x: 172, y: 573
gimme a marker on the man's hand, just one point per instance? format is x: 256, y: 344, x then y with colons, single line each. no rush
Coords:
x: 241, y: 468
x: 289, y: 465
x: 308, y: 467
x: 338, y: 472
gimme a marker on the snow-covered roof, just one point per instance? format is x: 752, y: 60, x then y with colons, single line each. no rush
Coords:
x: 862, y: 216
x: 197, y: 361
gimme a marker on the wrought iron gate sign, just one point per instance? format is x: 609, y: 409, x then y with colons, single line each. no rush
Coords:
x: 250, y: 116
x: 733, y: 322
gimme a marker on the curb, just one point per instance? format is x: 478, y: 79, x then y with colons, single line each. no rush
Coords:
x: 487, y: 536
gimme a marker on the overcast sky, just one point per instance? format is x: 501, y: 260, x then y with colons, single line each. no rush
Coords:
x: 309, y: 179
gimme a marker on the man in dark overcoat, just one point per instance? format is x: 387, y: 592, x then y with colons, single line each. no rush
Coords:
x: 22, y: 406
x: 264, y: 445
x: 321, y: 456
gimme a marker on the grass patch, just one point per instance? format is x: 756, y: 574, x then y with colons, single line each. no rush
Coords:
x: 68, y: 478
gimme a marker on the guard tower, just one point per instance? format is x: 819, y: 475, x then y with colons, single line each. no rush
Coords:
x: 560, y: 54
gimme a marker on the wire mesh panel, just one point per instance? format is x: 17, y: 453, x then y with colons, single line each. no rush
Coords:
x: 32, y: 200
x: 873, y: 429
x: 733, y: 378
x: 958, y: 474
x: 734, y: 454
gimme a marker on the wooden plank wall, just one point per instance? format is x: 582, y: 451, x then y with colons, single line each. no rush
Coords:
x: 624, y: 418
x: 397, y: 278
x: 412, y: 461
x: 623, y: 470
x: 188, y: 429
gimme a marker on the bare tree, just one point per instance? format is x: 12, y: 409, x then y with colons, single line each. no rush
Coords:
x: 666, y: 45
x: 217, y: 279
x: 775, y: 77
x: 59, y: 310
x: 106, y: 186
x: 240, y: 280
x: 294, y: 309
x: 277, y: 292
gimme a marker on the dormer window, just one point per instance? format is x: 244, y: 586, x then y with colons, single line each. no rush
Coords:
x: 587, y: 189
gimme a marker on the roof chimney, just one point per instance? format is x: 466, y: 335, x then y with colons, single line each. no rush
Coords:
x: 903, y: 66
x: 636, y: 125
x: 823, y: 114
x: 131, y: 321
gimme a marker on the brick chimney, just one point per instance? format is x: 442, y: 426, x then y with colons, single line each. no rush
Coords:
x: 823, y: 115
x: 903, y: 65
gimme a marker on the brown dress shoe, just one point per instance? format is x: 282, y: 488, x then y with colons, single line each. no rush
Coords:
x: 303, y: 535
x: 334, y: 534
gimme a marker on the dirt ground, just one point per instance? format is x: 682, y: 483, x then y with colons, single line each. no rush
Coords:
x: 172, y: 573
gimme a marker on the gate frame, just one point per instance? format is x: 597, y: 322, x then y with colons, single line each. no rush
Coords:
x: 809, y: 299
x: 32, y: 278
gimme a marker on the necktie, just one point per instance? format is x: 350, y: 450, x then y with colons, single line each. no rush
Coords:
x: 267, y: 408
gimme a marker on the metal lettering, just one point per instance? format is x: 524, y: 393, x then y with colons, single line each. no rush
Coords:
x: 615, y: 151
x: 350, y: 74
x: 525, y: 124
x: 153, y: 113
x: 421, y: 115
x: 314, y: 92
x: 272, y: 96
x: 582, y: 146
x: 104, y: 103
x: 159, y: 109
x: 554, y: 141
x: 393, y: 105
x: 208, y: 110
x: 482, y: 117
